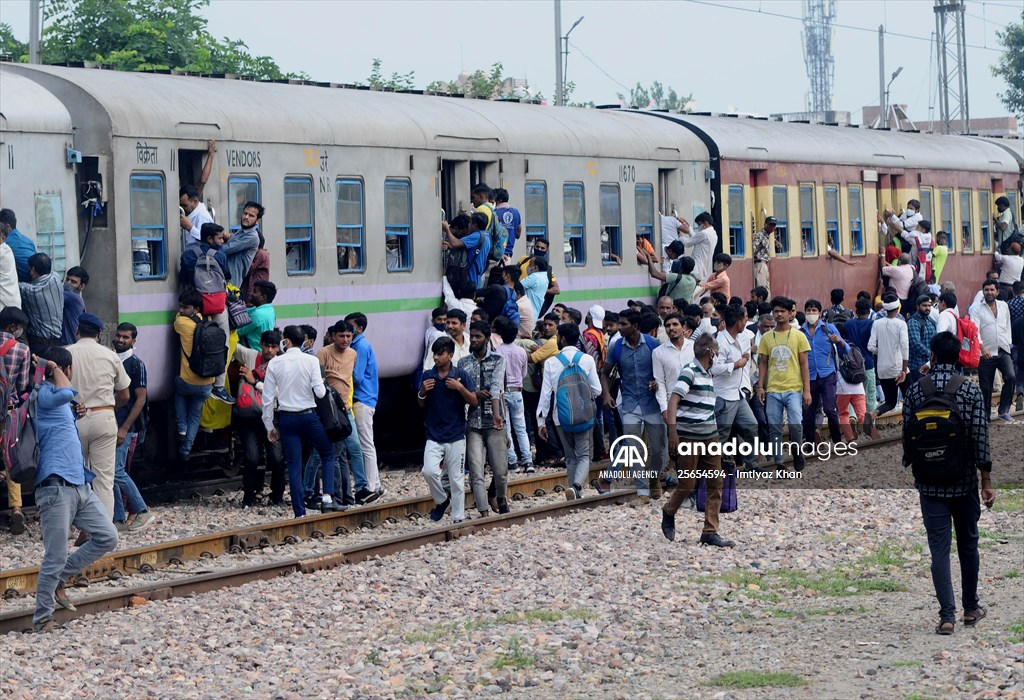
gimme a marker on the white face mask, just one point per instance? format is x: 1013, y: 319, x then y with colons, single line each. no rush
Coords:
x: 812, y: 318
x: 910, y: 212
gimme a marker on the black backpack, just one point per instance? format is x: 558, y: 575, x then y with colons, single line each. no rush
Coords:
x: 456, y: 268
x: 209, y: 349
x: 934, y: 439
x: 838, y: 318
x: 851, y: 366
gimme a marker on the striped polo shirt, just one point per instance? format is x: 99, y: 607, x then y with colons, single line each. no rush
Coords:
x: 695, y: 417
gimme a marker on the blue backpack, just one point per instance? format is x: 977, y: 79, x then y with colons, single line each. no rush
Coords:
x: 615, y: 353
x: 511, y: 308
x: 573, y: 397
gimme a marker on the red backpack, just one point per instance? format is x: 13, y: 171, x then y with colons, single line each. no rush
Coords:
x: 970, y: 342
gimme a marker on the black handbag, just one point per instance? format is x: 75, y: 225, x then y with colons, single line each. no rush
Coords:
x: 331, y: 410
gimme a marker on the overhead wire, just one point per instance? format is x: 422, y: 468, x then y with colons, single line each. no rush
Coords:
x: 594, y: 63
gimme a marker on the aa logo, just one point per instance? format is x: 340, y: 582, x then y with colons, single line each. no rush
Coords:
x: 629, y: 452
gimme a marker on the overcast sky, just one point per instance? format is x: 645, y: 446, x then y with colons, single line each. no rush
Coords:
x: 730, y: 59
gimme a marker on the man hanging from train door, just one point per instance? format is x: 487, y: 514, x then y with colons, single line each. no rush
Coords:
x: 763, y: 253
x: 194, y: 212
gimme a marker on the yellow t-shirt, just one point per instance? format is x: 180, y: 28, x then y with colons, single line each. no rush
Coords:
x: 486, y: 210
x: 783, y: 352
x: 185, y: 328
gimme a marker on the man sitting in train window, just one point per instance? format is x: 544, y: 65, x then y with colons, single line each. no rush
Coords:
x: 1004, y: 222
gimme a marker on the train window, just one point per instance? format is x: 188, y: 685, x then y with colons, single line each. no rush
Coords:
x: 643, y: 199
x: 737, y: 235
x: 149, y: 226
x: 965, y: 222
x: 985, y: 205
x: 241, y: 189
x: 50, y: 230
x: 398, y: 224
x: 945, y: 210
x: 926, y: 204
x: 807, y: 243
x: 780, y: 210
x: 1014, y: 207
x: 854, y: 195
x: 350, y: 225
x: 536, y: 224
x: 574, y: 214
x: 298, y: 225
x: 832, y: 218
x: 611, y: 225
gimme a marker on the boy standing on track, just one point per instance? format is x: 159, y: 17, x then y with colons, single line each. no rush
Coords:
x: 365, y: 388
x: 64, y: 492
x: 445, y: 391
x: 485, y: 436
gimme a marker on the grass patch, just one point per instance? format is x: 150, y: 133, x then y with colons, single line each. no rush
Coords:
x: 581, y: 613
x: 756, y: 679
x: 835, y: 611
x: 1010, y: 486
x: 915, y: 696
x: 907, y: 664
x: 838, y: 583
x: 515, y: 656
x: 373, y: 657
x: 1011, y: 574
x: 431, y: 634
x: 439, y: 633
x: 530, y: 616
x: 1009, y: 502
x: 1017, y: 632
x: 778, y: 612
x: 885, y: 556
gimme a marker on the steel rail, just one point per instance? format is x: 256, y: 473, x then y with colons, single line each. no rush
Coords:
x: 21, y: 620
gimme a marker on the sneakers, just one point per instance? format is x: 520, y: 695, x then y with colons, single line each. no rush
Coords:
x: 380, y: 490
x: 122, y: 527
x: 573, y: 492
x: 331, y: 507
x: 17, y: 522
x: 220, y: 394
x: 364, y: 496
x: 515, y: 468
x: 601, y: 486
x: 45, y: 625
x: 668, y: 526
x: 62, y: 599
x: 1003, y: 416
x: 503, y: 508
x: 142, y: 520
x: 437, y: 512
x: 530, y: 469
x: 458, y: 522
x: 713, y: 539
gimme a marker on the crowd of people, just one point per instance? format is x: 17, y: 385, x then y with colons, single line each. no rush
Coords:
x: 510, y: 379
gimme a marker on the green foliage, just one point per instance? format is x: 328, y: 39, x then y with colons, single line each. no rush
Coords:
x: 756, y: 679
x: 10, y: 46
x: 655, y: 97
x: 377, y: 81
x: 515, y: 656
x: 486, y: 85
x: 1017, y: 632
x: 145, y: 35
x: 1011, y: 67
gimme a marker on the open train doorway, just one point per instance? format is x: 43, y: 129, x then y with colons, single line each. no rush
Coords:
x: 449, y: 197
x: 666, y: 196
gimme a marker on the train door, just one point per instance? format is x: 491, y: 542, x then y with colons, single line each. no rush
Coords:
x: 666, y: 195
x: 453, y: 174
x: 762, y: 203
x: 483, y: 171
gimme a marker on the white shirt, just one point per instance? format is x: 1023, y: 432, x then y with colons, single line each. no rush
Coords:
x: 668, y: 363
x: 890, y: 343
x: 727, y: 379
x: 460, y: 351
x: 1010, y: 267
x: 946, y: 322
x: 553, y: 369
x: 199, y: 216
x: 844, y: 387
x: 10, y: 293
x: 746, y: 339
x: 453, y: 302
x: 702, y: 246
x: 993, y: 329
x: 293, y: 380
x: 907, y: 223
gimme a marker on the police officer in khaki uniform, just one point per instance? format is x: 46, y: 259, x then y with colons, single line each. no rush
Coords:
x: 102, y: 385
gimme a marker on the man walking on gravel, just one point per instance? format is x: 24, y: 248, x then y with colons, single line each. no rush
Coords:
x: 64, y: 492
x: 485, y: 434
x: 946, y: 473
x: 364, y: 398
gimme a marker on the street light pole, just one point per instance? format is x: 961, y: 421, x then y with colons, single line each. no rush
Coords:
x: 558, y: 53
x: 565, y: 70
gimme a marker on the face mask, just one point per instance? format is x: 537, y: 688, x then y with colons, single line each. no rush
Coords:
x: 910, y: 212
x: 439, y: 326
x: 18, y: 333
x: 541, y: 253
x: 284, y: 348
x: 812, y: 319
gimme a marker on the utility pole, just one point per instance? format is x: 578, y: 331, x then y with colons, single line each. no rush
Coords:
x: 558, y: 53
x: 883, y: 112
x: 33, y: 31
x: 951, y: 53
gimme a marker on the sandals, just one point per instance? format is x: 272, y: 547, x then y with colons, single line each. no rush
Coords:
x: 945, y: 628
x: 971, y: 618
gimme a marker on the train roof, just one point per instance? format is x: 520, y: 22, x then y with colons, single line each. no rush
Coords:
x: 1013, y: 144
x: 29, y: 107
x: 752, y: 139
x: 176, y: 106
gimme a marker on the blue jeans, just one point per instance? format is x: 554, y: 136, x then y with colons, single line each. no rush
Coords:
x: 792, y: 402
x: 295, y: 429
x: 940, y: 516
x: 349, y: 454
x: 123, y: 484
x: 188, y: 407
x: 516, y: 424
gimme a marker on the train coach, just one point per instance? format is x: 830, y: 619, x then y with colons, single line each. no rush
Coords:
x: 354, y: 183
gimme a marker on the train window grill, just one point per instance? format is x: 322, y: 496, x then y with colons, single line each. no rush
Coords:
x: 241, y: 189
x: 855, y: 197
x: 536, y: 224
x: 832, y: 218
x: 643, y: 198
x: 780, y: 210
x: 50, y: 230
x: 298, y: 225
x: 985, y: 205
x: 965, y: 222
x: 807, y: 244
x: 398, y: 225
x: 574, y: 224
x: 149, y: 226
x: 350, y: 225
x: 926, y: 204
x: 611, y: 225
x: 737, y: 235
x: 946, y: 210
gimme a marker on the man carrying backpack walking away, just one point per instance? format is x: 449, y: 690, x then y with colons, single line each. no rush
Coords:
x: 567, y: 376
x: 945, y: 441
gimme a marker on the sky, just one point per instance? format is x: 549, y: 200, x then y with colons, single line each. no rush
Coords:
x: 730, y: 59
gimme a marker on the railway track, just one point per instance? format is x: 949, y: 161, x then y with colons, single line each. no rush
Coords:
x: 21, y: 620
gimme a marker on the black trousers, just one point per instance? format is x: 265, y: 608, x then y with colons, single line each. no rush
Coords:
x: 940, y: 516
x: 987, y: 377
x: 253, y: 437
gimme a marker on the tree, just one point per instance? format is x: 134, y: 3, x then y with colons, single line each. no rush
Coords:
x: 377, y: 80
x: 1011, y: 67
x: 143, y: 35
x: 654, y: 97
x: 10, y: 46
